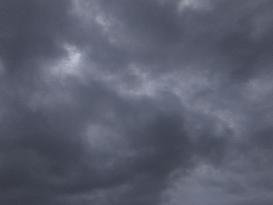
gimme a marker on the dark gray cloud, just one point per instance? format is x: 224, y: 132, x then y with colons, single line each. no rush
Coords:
x: 135, y: 102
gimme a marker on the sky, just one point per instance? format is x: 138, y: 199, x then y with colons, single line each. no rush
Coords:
x: 136, y: 102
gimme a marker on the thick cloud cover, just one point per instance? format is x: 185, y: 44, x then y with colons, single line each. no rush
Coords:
x: 139, y: 102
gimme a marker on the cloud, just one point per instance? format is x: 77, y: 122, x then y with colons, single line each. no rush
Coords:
x: 135, y: 102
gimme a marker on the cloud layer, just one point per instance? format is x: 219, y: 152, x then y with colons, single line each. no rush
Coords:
x: 136, y: 102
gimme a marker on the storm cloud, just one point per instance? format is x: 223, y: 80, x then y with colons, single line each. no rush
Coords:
x: 140, y: 102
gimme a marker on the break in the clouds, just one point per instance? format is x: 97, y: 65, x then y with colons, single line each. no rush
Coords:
x: 140, y: 102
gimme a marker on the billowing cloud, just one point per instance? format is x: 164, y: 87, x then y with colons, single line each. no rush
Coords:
x: 136, y: 102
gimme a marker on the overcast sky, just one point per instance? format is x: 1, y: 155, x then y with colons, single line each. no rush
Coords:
x: 136, y: 102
